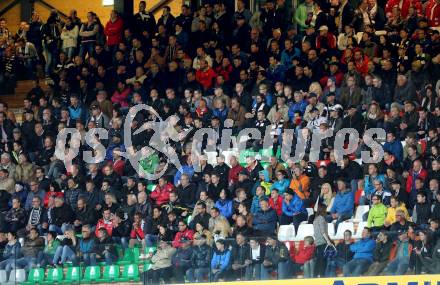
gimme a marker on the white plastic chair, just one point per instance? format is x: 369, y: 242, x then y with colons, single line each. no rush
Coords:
x: 310, y: 212
x: 286, y: 233
x: 359, y: 230
x: 342, y: 228
x: 17, y: 276
x: 360, y: 212
x: 303, y: 231
x: 331, y: 230
x: 3, y: 277
x: 212, y: 157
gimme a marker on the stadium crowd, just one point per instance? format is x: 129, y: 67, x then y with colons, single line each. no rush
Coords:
x: 325, y: 65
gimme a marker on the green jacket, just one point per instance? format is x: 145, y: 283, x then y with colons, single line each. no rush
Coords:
x: 300, y: 16
x: 377, y: 215
x: 50, y: 248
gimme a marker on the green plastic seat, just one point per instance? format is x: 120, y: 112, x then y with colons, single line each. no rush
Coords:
x: 73, y: 275
x: 110, y: 274
x: 147, y: 266
x: 128, y: 257
x: 91, y: 274
x: 130, y: 273
x: 54, y: 275
x: 136, y: 254
x: 35, y: 276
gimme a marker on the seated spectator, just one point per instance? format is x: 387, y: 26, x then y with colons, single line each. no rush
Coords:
x: 422, y: 211
x: 200, y: 260
x: 121, y: 229
x: 363, y: 255
x: 381, y: 254
x: 202, y: 216
x: 87, y: 246
x: 220, y: 262
x: 151, y: 226
x: 276, y: 259
x: 61, y: 216
x: 161, y: 264
x: 161, y: 194
x: 11, y: 252
x: 395, y: 206
x: 15, y: 218
x: 377, y: 213
x: 66, y: 251
x: 181, y: 260
x: 37, y: 217
x: 303, y: 258
x: 224, y: 204
x: 105, y: 222
x: 276, y: 201
x: 45, y: 256
x: 32, y: 245
x: 85, y: 215
x: 265, y: 220
x: 343, y: 205
x: 137, y: 234
x: 104, y: 247
x: 184, y: 231
x: 344, y: 255
x: 400, y: 262
x: 240, y: 258
x: 294, y: 211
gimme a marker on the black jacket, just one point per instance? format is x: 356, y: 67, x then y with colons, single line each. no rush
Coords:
x: 61, y: 215
x: 201, y: 256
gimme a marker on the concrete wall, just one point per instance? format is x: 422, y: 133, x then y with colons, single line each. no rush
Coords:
x: 82, y: 6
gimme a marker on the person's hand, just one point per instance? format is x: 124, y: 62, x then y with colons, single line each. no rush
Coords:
x: 267, y: 263
x: 247, y: 262
x: 334, y: 216
x: 403, y: 126
x: 235, y: 266
x: 98, y: 207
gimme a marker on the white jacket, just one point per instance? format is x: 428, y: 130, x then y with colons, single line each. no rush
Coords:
x: 70, y: 38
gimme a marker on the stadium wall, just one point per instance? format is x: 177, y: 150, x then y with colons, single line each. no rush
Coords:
x: 373, y: 280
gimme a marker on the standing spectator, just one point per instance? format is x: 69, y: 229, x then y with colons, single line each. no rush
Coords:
x: 113, y: 31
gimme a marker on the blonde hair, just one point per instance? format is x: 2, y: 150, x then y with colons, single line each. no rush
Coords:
x: 327, y: 197
x: 316, y: 88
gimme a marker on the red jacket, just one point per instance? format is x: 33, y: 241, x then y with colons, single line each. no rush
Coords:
x: 121, y: 97
x: 433, y: 13
x: 49, y: 194
x: 404, y: 6
x: 137, y: 233
x: 233, y: 173
x: 206, y: 77
x: 113, y: 31
x: 412, y: 176
x: 106, y: 225
x: 161, y: 195
x: 118, y: 167
x: 225, y: 71
x: 304, y: 254
x: 277, y: 205
x: 330, y: 39
x: 189, y: 234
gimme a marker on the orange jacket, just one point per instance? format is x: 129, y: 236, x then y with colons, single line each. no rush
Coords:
x: 301, y: 186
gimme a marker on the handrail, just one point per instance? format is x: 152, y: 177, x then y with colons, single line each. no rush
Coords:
x: 159, y: 5
x: 44, y: 3
x: 9, y: 7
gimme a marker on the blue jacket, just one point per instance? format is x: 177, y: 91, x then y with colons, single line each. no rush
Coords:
x: 86, y: 246
x: 221, y: 260
x: 12, y: 251
x: 363, y: 249
x: 277, y: 73
x: 221, y: 114
x: 255, y: 207
x: 295, y: 107
x: 77, y: 113
x: 225, y: 207
x: 369, y: 186
x: 287, y: 57
x: 395, y: 148
x: 295, y: 206
x: 343, y: 204
x: 281, y: 185
x: 265, y: 221
x: 185, y: 169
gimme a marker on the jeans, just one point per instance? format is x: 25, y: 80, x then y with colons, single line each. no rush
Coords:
x: 197, y: 275
x: 282, y: 269
x: 150, y: 240
x: 356, y: 267
x: 86, y: 48
x: 89, y: 259
x: 122, y: 240
x: 24, y: 262
x: 50, y: 62
x: 70, y: 52
x: 64, y: 253
x: 398, y: 266
x: 43, y: 259
x: 7, y: 264
x: 57, y: 229
x: 332, y: 265
x: 107, y: 257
